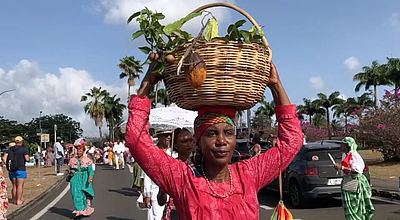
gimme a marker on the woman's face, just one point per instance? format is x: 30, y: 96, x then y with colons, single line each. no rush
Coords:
x: 80, y: 151
x: 163, y: 140
x: 217, y: 144
x: 344, y: 148
x: 185, y: 142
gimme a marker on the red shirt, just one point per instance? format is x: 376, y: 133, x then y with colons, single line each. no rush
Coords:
x: 192, y: 196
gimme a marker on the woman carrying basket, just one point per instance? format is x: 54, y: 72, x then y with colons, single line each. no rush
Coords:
x: 213, y: 188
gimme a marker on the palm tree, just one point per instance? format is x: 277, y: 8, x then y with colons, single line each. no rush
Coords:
x: 393, y: 71
x: 131, y: 68
x: 113, y: 113
x: 95, y: 107
x: 266, y: 109
x: 326, y: 103
x: 364, y: 101
x: 163, y: 97
x: 374, y: 75
x: 309, y: 108
x: 345, y: 109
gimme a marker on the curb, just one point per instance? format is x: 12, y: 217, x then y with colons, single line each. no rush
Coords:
x: 26, y: 208
x: 386, y: 193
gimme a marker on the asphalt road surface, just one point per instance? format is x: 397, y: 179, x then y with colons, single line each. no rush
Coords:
x: 115, y: 200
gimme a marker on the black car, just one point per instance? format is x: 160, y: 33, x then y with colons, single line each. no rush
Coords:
x: 311, y: 174
x: 242, y: 150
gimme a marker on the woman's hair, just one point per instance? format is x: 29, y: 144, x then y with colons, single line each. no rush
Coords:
x: 177, y: 132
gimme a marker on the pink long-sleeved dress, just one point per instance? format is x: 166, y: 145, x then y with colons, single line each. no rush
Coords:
x: 192, y: 196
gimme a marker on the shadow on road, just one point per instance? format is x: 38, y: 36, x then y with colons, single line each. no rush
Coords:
x: 116, y: 218
x: 61, y: 211
x: 125, y: 191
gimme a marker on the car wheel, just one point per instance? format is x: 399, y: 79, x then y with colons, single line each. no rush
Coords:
x: 295, y: 194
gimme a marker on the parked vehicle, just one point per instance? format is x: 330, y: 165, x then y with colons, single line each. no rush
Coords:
x: 311, y: 173
x: 242, y: 150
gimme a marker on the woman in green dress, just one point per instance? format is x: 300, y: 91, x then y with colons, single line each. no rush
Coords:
x: 81, y: 181
x: 356, y: 197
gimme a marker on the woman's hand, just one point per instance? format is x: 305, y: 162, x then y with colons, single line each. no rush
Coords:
x: 276, y: 87
x: 338, y: 166
x: 149, y: 80
x: 73, y: 171
x: 274, y: 76
x: 147, y: 201
x: 90, y: 179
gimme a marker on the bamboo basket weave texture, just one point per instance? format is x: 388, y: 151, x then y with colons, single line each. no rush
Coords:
x: 237, y: 75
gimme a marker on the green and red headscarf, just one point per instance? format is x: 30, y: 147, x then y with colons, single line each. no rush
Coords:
x: 208, y: 116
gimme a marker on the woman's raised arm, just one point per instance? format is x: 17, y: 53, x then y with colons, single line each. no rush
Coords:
x: 265, y: 167
x: 164, y: 170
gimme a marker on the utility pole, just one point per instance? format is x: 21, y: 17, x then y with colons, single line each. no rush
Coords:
x: 54, y: 145
x: 41, y: 149
x: 248, y: 123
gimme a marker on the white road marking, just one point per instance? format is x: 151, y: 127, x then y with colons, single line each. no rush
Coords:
x: 51, y: 204
x: 397, y: 202
x: 266, y: 207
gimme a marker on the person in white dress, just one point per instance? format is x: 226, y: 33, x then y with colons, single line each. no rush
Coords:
x: 150, y: 189
x: 119, y: 149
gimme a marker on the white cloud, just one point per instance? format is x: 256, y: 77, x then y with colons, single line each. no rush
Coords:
x: 118, y: 11
x: 37, y: 91
x: 394, y: 20
x: 352, y: 64
x: 316, y: 82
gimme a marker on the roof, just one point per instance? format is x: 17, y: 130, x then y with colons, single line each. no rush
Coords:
x: 325, y: 144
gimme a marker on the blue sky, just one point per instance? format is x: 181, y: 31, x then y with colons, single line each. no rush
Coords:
x: 56, y: 50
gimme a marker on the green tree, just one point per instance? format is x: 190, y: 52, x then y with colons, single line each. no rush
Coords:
x: 393, y: 71
x: 163, y: 97
x: 309, y: 108
x: 264, y: 113
x: 374, y: 75
x: 131, y: 68
x: 113, y: 113
x: 319, y: 120
x: 67, y: 128
x: 326, y: 102
x: 95, y: 107
x: 345, y: 109
x: 10, y: 129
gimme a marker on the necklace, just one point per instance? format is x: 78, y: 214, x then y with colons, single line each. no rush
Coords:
x: 212, y: 189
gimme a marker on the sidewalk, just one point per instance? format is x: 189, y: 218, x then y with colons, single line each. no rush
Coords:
x: 34, y: 185
x: 385, y: 188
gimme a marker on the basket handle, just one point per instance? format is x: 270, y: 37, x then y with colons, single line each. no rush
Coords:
x: 244, y: 13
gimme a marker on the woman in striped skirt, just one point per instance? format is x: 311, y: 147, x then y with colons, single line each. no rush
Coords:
x: 356, y: 196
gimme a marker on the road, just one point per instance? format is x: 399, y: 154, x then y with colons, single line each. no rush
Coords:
x: 116, y: 201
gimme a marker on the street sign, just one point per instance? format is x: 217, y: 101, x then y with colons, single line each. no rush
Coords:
x: 45, y: 138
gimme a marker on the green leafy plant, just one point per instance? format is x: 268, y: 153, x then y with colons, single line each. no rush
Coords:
x: 163, y: 40
x: 234, y: 33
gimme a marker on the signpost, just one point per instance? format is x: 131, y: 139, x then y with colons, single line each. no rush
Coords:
x: 44, y: 138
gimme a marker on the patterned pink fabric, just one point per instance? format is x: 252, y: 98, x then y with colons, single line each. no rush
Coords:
x: 88, y: 211
x: 73, y: 162
x: 192, y: 196
x: 3, y: 195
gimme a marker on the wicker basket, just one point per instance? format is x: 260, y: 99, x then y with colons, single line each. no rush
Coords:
x: 237, y: 73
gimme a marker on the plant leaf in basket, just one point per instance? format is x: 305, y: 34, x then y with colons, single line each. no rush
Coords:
x: 246, y: 36
x: 196, y: 72
x: 170, y: 28
x: 145, y: 49
x: 212, y: 29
